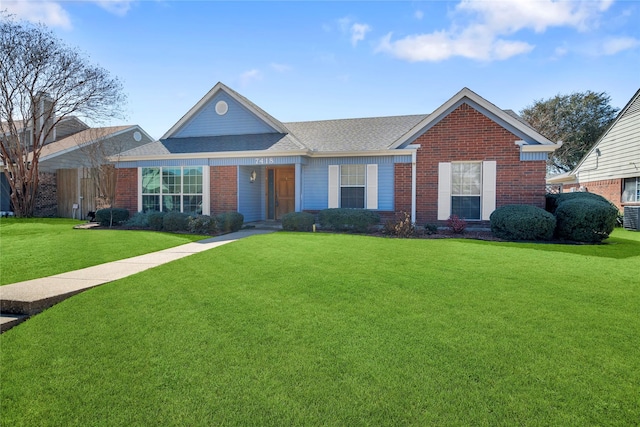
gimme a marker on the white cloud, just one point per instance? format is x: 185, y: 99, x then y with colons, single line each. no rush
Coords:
x: 281, y: 68
x: 52, y: 14
x: 442, y: 45
x: 117, y: 7
x: 481, y: 29
x: 358, y: 32
x: 616, y: 45
x: 46, y: 12
x: 249, y: 77
x: 419, y: 15
x: 513, y: 15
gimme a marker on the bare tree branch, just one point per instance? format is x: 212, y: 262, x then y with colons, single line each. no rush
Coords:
x: 42, y: 82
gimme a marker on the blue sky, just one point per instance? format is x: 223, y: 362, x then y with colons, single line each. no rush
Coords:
x: 302, y: 60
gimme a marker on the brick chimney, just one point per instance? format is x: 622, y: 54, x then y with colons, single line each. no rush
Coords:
x: 44, y: 117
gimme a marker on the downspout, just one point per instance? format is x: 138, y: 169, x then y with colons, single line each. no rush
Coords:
x: 414, y: 157
x: 298, y: 189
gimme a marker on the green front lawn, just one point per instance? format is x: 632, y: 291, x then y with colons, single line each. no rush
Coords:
x: 40, y: 247
x: 321, y: 329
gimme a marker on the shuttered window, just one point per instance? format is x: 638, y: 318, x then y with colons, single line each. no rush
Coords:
x: 466, y: 189
x: 353, y: 186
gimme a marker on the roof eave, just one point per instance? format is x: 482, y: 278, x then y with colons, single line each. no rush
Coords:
x: 472, y: 96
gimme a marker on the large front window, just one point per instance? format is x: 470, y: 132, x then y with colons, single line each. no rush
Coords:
x: 352, y: 186
x: 172, y: 189
x: 466, y: 188
x: 631, y: 190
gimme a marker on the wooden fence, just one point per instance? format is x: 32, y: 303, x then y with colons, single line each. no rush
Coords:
x: 77, y: 191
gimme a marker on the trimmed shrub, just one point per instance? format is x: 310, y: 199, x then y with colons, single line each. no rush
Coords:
x: 456, y: 224
x: 585, y: 220
x: 104, y: 216
x: 522, y: 222
x: 175, y: 221
x: 342, y: 219
x: 229, y: 221
x: 401, y: 226
x: 298, y: 221
x: 430, y: 229
x: 202, y: 224
x: 138, y: 220
x: 156, y: 220
x: 554, y: 200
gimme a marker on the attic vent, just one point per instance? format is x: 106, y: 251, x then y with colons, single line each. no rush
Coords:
x: 221, y: 108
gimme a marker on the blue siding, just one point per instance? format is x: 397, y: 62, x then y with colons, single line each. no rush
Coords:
x: 315, y: 185
x: 251, y: 203
x: 237, y: 121
x: 386, y: 184
x: 257, y: 161
x: 315, y: 182
x: 528, y: 157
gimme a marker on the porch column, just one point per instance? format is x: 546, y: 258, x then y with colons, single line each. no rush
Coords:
x: 298, y: 190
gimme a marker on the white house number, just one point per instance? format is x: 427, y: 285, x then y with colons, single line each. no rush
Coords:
x: 264, y: 161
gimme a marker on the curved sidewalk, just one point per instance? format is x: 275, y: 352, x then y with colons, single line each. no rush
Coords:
x: 18, y: 301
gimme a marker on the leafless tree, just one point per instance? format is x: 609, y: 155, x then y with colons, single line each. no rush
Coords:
x: 99, y: 150
x: 42, y: 82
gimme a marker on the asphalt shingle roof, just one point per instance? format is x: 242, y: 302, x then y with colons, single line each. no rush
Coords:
x: 362, y: 134
x: 214, y: 144
x: 375, y: 133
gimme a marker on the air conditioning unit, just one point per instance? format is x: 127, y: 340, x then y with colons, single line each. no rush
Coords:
x: 632, y: 218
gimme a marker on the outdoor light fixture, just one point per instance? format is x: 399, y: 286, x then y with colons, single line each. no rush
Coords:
x: 252, y: 177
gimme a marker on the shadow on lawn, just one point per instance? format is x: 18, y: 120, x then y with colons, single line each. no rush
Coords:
x: 613, y: 247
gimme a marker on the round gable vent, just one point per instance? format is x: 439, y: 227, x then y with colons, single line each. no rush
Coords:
x: 221, y: 108
x: 137, y: 136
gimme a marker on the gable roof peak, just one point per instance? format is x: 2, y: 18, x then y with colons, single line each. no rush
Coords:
x: 221, y: 87
x: 467, y: 93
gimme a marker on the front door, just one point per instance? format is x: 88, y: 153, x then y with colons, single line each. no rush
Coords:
x: 281, y: 191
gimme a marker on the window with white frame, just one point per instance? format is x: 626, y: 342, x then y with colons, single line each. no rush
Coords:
x: 466, y: 190
x: 352, y: 186
x: 172, y: 189
x: 631, y: 190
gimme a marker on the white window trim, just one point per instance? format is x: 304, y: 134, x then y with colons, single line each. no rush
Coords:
x: 370, y: 186
x: 487, y: 196
x: 206, y: 203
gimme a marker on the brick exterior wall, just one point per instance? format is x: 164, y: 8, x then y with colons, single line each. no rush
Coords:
x: 610, y: 189
x: 127, y: 190
x: 468, y: 135
x: 402, y: 193
x: 223, y: 189
x: 46, y: 204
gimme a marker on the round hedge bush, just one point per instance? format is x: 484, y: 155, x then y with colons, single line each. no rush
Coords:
x: 585, y: 219
x: 111, y: 216
x: 229, y: 221
x: 298, y: 221
x: 522, y: 222
x: 175, y: 221
x: 554, y: 200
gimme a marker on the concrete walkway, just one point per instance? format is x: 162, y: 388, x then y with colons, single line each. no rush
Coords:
x: 19, y: 301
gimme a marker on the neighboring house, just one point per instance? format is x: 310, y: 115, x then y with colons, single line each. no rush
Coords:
x: 466, y: 158
x: 612, y: 167
x: 65, y: 186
